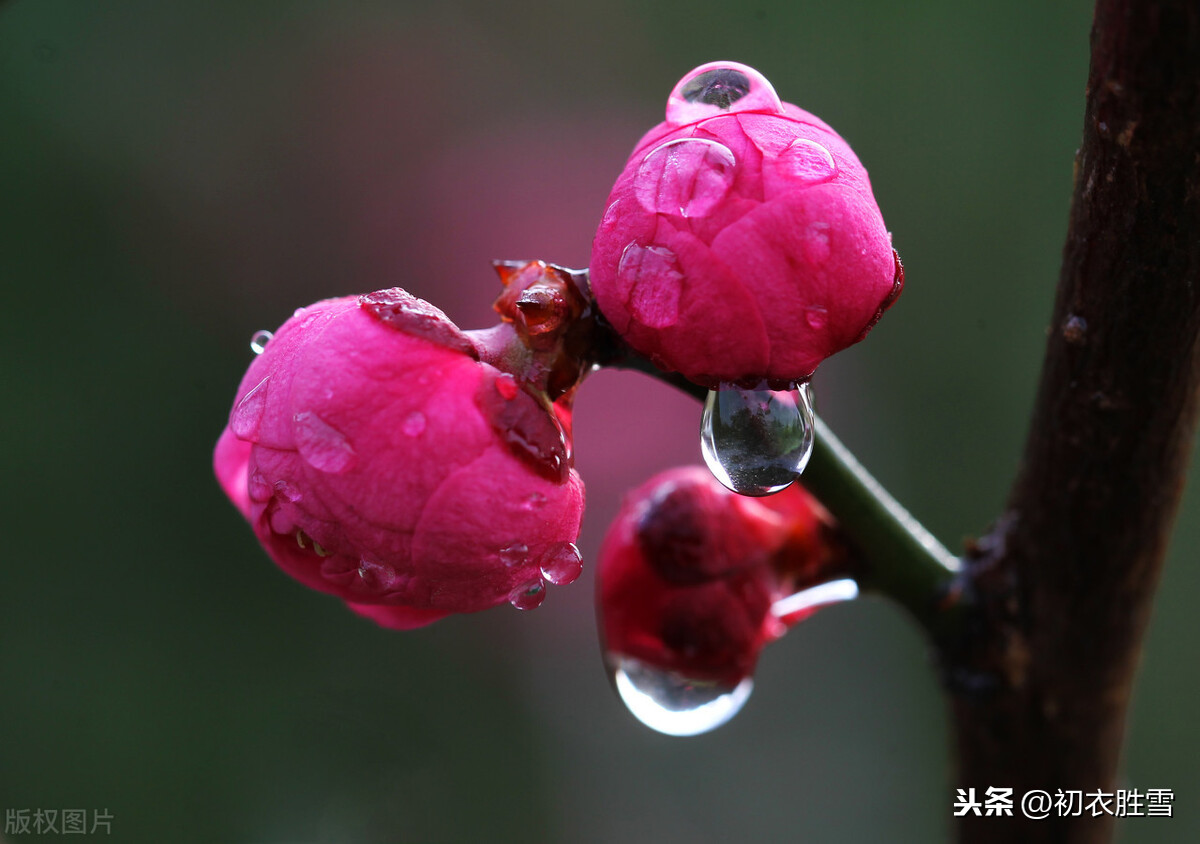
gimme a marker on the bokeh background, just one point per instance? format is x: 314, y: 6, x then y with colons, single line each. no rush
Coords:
x: 174, y: 176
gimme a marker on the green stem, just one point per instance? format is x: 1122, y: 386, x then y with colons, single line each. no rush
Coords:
x: 900, y: 558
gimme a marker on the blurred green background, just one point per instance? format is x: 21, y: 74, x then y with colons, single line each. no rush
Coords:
x: 174, y: 176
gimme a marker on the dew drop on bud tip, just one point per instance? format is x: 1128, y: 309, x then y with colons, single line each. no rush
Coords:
x: 719, y: 88
x: 528, y: 596
x: 259, y: 341
x: 757, y: 442
x: 672, y: 704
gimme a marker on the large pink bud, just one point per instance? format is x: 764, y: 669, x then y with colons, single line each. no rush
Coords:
x: 379, y: 460
x: 742, y: 242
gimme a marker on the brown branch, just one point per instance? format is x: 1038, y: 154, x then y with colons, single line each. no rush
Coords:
x: 1065, y: 582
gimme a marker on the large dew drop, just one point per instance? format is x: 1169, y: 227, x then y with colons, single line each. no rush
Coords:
x: 688, y: 177
x: 672, y: 704
x: 756, y: 442
x: 720, y: 88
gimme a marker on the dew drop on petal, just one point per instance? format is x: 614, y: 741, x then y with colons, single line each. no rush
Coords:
x: 323, y: 446
x: 413, y: 424
x: 652, y: 276
x: 247, y: 416
x: 719, y: 88
x: 672, y: 704
x: 377, y: 576
x: 686, y: 177
x: 756, y: 442
x: 816, y: 317
x: 806, y: 162
x: 562, y: 564
x: 259, y: 341
x: 801, y: 605
x: 515, y: 554
x: 528, y: 596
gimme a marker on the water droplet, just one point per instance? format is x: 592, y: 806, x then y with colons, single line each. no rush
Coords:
x: 258, y: 342
x: 247, y: 416
x: 718, y: 88
x: 323, y: 446
x: 721, y: 87
x: 797, y: 607
x: 686, y: 177
x: 806, y: 161
x: 514, y: 555
x: 756, y: 442
x: 258, y: 488
x: 816, y: 317
x: 673, y: 704
x: 377, y: 576
x: 562, y: 564
x: 414, y: 424
x: 652, y: 276
x: 529, y: 596
x: 533, y: 501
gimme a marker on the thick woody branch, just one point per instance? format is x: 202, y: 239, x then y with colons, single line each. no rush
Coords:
x: 1064, y: 585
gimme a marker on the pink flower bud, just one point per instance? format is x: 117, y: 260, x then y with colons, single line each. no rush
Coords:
x: 690, y: 574
x: 742, y: 242
x: 379, y: 460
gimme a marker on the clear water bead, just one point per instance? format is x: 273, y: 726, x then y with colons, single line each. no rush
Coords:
x: 687, y: 177
x: 720, y: 88
x: 246, y: 418
x: 757, y: 442
x: 673, y: 704
x: 259, y: 341
x: 528, y: 596
x: 562, y: 564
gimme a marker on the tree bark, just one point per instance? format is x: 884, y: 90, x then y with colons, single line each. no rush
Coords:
x: 1061, y: 589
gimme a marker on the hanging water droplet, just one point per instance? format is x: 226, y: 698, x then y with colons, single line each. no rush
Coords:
x: 247, y: 416
x: 756, y: 442
x: 323, y: 446
x: 529, y: 596
x: 719, y: 88
x: 797, y: 607
x: 672, y: 704
x: 562, y: 564
x: 377, y: 576
x: 687, y: 177
x: 259, y: 341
